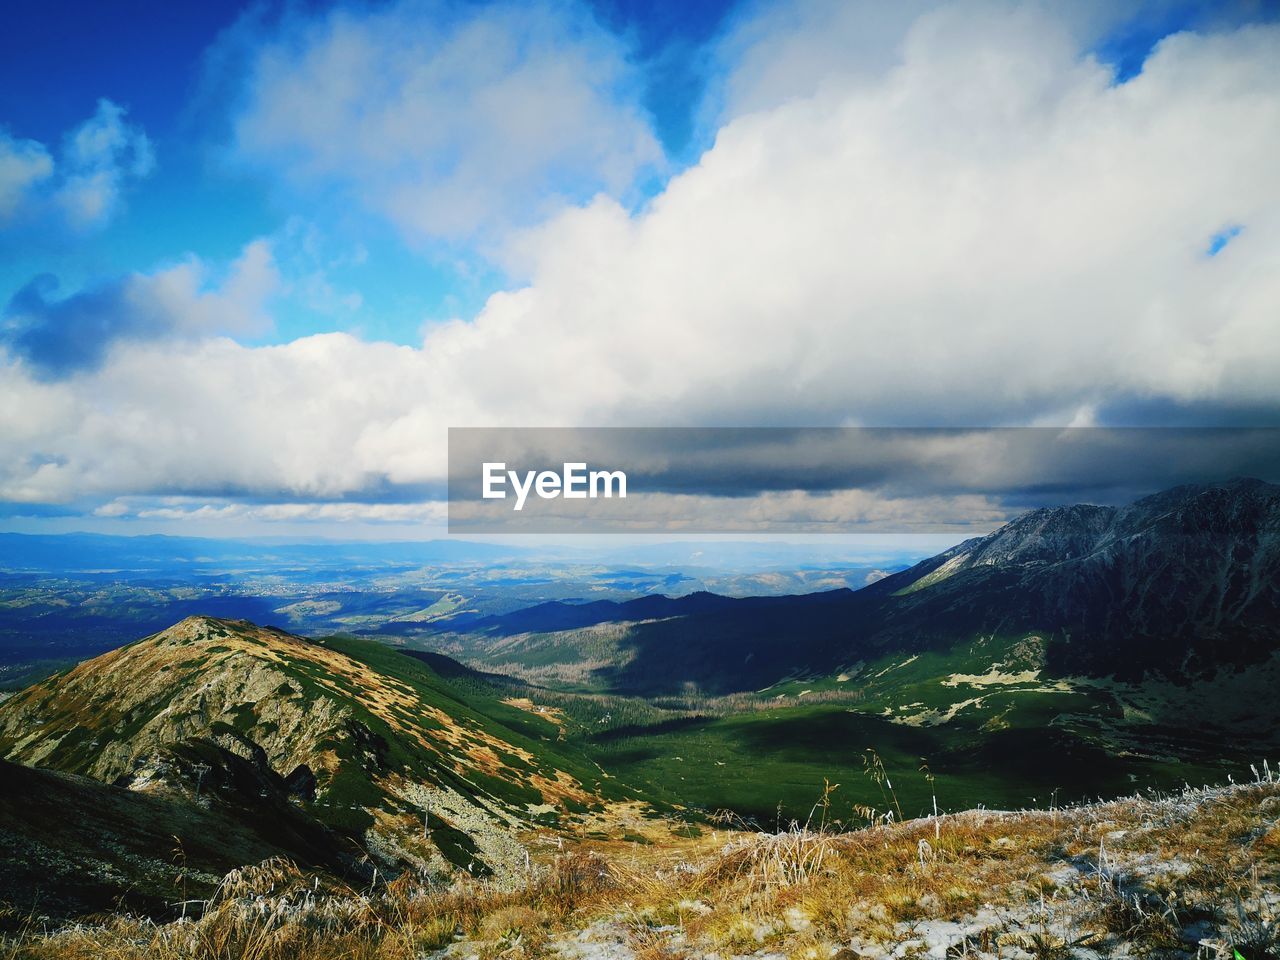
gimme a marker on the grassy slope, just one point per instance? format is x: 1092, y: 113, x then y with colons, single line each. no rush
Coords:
x: 70, y: 845
x: 406, y: 724
x: 1005, y: 740
x: 754, y: 763
x: 404, y: 727
x: 482, y: 704
x: 992, y: 731
x: 991, y: 727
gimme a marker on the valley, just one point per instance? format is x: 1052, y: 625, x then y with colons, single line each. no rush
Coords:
x: 1075, y: 652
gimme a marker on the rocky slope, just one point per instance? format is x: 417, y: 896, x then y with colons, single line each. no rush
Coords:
x: 228, y: 714
x: 1176, y: 584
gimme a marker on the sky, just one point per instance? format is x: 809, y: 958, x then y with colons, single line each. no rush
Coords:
x: 257, y: 259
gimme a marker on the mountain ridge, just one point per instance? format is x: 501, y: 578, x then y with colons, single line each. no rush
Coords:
x: 361, y: 746
x: 1177, y: 583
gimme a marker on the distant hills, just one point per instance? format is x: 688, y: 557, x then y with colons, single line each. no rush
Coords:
x: 68, y: 597
x: 169, y: 556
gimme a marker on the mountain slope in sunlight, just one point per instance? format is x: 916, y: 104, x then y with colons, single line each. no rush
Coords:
x: 366, y: 741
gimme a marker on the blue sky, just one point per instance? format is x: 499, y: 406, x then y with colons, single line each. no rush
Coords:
x: 489, y: 205
x: 160, y: 61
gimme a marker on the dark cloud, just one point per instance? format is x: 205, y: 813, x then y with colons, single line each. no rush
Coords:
x: 57, y: 337
x: 61, y: 336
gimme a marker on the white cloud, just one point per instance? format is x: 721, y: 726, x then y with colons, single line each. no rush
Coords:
x: 23, y: 164
x: 449, y: 122
x: 192, y: 306
x: 85, y: 187
x: 792, y: 50
x: 212, y: 414
x: 991, y: 231
x: 987, y: 230
x: 99, y: 158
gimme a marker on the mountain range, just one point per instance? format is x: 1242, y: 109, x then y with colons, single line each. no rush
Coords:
x: 1074, y: 651
x: 1177, y: 585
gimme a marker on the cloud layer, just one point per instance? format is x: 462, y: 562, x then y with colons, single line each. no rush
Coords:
x: 986, y: 228
x: 449, y: 122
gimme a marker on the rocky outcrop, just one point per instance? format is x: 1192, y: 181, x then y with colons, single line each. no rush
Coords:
x: 1178, y: 584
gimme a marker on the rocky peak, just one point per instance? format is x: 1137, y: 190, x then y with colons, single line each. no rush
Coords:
x: 1054, y: 535
x: 1049, y: 535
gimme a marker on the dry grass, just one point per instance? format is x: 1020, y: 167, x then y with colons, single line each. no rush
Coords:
x: 275, y: 912
x: 1195, y: 873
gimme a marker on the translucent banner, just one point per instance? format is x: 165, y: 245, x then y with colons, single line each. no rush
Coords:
x: 822, y: 480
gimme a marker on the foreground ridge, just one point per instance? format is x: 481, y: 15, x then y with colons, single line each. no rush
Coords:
x: 1188, y: 874
x: 361, y: 757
